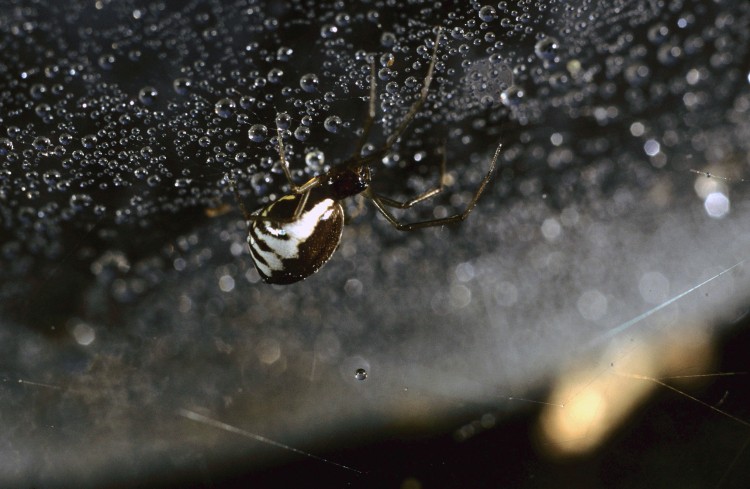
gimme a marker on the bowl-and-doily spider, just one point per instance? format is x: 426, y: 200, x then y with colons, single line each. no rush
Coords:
x: 295, y: 235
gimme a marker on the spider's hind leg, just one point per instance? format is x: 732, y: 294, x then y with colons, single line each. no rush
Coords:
x: 387, y: 201
x: 238, y: 199
x: 383, y: 203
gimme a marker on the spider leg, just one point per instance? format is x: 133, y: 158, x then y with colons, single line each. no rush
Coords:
x: 297, y: 189
x: 284, y: 163
x: 264, y: 217
x: 303, y: 190
x: 370, y: 118
x: 420, y: 101
x: 301, y: 205
x: 382, y: 204
x: 238, y: 198
x: 387, y: 201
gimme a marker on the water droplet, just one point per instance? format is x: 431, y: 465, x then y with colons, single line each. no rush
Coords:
x: 246, y: 101
x: 182, y: 182
x: 84, y: 334
x: 487, y: 13
x: 315, y: 159
x: 332, y: 123
x: 547, y: 49
x: 309, y: 82
x: 302, y: 133
x: 37, y: 90
x: 80, y: 201
x: 182, y: 85
x: 88, y: 141
x: 225, y: 107
x: 283, y: 120
x: 487, y: 101
x: 106, y: 61
x: 658, y: 33
x: 284, y: 53
x: 6, y: 145
x: 388, y: 39
x: 328, y: 31
x: 41, y: 143
x: 43, y: 110
x: 147, y: 95
x: 343, y: 19
x: 51, y: 177
x: 360, y: 374
x: 387, y: 60
x: 274, y: 75
x: 512, y: 96
x: 257, y: 133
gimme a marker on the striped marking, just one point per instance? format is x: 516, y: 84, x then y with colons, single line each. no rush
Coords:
x: 275, y: 246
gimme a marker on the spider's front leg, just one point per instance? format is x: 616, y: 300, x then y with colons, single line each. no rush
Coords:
x: 370, y: 118
x: 417, y: 105
x: 297, y: 189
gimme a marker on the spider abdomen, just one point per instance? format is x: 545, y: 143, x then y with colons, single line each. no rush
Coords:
x: 286, y: 250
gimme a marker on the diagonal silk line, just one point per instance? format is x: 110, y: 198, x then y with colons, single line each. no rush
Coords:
x: 233, y: 429
x: 628, y: 324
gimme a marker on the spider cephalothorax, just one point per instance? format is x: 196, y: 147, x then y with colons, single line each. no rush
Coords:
x: 346, y: 182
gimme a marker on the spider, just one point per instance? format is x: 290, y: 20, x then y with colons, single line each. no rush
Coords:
x: 292, y: 237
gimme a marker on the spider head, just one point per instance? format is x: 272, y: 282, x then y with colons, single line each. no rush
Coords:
x: 348, y: 181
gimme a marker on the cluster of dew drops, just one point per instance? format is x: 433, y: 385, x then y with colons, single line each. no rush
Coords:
x: 130, y: 113
x: 94, y: 128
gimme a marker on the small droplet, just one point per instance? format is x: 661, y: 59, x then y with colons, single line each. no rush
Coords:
x: 106, y: 61
x: 512, y: 96
x: 274, y: 75
x: 147, y: 95
x: 360, y: 374
x: 332, y: 123
x: 257, y: 133
x: 283, y: 120
x: 309, y: 82
x: 487, y: 13
x: 315, y: 159
x: 547, y: 49
x: 80, y: 201
x: 51, y: 177
x: 6, y: 145
x: 328, y: 31
x: 41, y: 143
x: 89, y: 141
x: 224, y: 108
x: 182, y: 85
x: 284, y: 53
x: 388, y: 39
x: 302, y: 133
